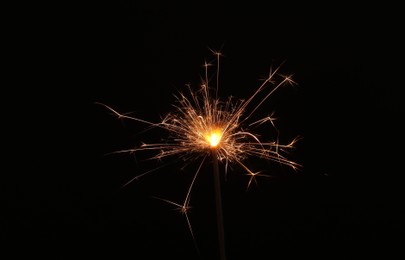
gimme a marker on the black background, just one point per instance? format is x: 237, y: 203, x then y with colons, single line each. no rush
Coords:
x: 64, y: 192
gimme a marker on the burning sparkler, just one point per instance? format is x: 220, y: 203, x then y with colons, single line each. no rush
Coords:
x: 202, y: 126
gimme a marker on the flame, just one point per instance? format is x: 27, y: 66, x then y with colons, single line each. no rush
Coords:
x: 214, y: 137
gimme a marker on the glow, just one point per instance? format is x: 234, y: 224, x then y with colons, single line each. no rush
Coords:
x: 214, y: 138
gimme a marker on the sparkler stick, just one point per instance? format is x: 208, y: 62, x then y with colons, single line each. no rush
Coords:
x: 218, y: 203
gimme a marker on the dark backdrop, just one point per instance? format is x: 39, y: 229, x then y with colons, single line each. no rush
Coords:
x: 65, y: 192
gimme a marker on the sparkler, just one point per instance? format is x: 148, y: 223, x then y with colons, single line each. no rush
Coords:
x: 201, y: 126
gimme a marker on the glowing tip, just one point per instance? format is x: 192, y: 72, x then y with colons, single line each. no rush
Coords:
x: 214, y: 138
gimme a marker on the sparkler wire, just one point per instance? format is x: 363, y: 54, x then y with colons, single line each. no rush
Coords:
x: 218, y: 204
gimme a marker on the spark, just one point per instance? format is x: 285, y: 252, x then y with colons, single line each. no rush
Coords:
x: 201, y: 123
